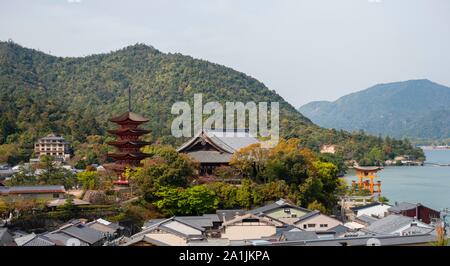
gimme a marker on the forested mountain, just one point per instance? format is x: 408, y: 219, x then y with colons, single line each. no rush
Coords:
x: 40, y: 93
x: 414, y: 108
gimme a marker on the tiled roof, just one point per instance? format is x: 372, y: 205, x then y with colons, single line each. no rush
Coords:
x: 32, y: 189
x: 278, y: 204
x: 361, y: 207
x: 385, y: 240
x: 39, y: 241
x: 227, y: 141
x: 299, y: 235
x: 339, y: 229
x: 85, y: 233
x: 389, y: 224
x: 230, y: 214
x: 210, y: 156
x: 402, y: 206
x: 366, y: 219
x: 307, y: 216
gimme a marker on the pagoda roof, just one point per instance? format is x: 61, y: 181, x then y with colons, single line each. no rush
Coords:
x: 124, y: 156
x: 129, y: 116
x: 115, y: 166
x: 133, y: 131
x: 132, y: 142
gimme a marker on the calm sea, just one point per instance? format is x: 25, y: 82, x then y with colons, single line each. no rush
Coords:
x: 429, y: 185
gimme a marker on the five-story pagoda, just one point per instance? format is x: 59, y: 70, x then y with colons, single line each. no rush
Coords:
x: 128, y: 144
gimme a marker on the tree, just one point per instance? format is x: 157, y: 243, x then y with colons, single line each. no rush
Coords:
x: 195, y: 200
x: 251, y: 162
x: 166, y: 168
x: 311, y: 190
x: 88, y: 179
x: 315, y: 205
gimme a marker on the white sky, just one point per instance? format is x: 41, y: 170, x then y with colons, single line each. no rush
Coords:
x: 305, y: 50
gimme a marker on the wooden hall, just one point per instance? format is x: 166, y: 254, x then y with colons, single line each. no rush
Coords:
x: 213, y: 148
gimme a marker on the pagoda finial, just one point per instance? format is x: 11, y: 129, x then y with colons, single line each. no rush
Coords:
x: 129, y: 99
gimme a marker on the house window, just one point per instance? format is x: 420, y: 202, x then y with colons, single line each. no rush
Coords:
x: 305, y: 226
x: 287, y: 210
x: 294, y: 215
x: 55, y: 195
x: 311, y: 225
x: 323, y: 225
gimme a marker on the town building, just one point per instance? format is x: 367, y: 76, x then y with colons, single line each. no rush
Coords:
x: 52, y: 145
x: 365, y: 240
x: 6, y: 239
x: 328, y: 149
x: 419, y: 211
x: 249, y: 226
x: 77, y: 233
x: 398, y: 225
x: 281, y: 210
x: 374, y: 209
x: 316, y: 221
x: 34, y: 192
x: 213, y: 148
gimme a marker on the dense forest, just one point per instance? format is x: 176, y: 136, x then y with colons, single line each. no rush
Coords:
x: 74, y: 97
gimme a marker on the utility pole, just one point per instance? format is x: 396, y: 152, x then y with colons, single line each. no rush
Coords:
x: 445, y: 223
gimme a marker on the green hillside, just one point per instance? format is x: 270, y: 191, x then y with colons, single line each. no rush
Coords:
x: 40, y: 93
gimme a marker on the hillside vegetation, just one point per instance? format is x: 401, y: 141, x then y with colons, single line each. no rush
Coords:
x: 40, y: 93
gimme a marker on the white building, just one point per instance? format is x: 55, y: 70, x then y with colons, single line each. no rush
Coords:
x: 52, y: 145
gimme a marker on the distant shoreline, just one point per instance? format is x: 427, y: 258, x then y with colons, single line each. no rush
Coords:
x: 435, y: 148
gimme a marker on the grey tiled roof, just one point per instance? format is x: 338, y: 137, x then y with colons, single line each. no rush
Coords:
x: 39, y: 241
x: 367, y: 219
x: 385, y: 240
x: 28, y: 189
x: 389, y: 224
x: 210, y: 156
x: 233, y: 140
x: 339, y: 229
x: 153, y: 222
x: 85, y: 233
x: 361, y: 207
x: 402, y: 206
x: 230, y: 214
x: 299, y: 235
x: 198, y: 222
x: 307, y: 216
x: 5, y: 237
x: 229, y: 141
x: 278, y: 204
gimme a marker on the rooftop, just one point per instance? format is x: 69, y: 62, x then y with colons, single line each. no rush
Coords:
x: 32, y: 189
x: 391, y: 223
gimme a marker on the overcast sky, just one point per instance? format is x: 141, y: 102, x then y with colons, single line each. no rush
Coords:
x: 305, y: 50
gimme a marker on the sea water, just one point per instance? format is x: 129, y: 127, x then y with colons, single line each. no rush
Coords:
x: 429, y: 185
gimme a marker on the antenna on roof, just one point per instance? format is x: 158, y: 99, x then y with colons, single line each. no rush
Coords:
x: 129, y: 99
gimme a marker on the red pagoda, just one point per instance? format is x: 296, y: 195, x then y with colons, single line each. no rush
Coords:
x: 128, y: 145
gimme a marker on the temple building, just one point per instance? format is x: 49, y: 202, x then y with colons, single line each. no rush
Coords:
x: 128, y: 144
x: 213, y: 148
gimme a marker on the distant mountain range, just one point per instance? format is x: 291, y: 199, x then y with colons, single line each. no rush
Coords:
x: 413, y: 108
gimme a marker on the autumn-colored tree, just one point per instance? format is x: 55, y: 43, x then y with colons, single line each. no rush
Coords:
x: 251, y: 162
x: 315, y: 205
